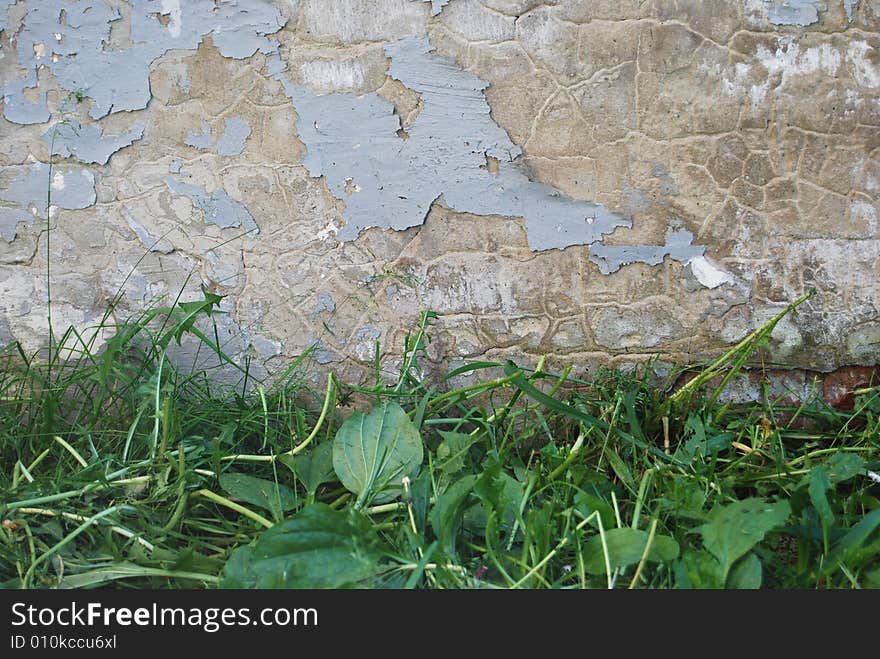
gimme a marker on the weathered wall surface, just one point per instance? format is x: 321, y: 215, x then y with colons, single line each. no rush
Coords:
x: 590, y: 180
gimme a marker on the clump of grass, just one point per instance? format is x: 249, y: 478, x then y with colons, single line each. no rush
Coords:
x: 119, y: 468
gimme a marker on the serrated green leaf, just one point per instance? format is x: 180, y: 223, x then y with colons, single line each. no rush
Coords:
x: 625, y: 547
x: 372, y: 453
x: 746, y: 573
x: 452, y: 451
x: 318, y: 548
x: 313, y: 467
x: 732, y: 530
x: 274, y: 497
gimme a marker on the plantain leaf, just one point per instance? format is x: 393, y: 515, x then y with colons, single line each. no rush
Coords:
x: 746, y: 574
x: 372, y: 453
x: 274, y: 497
x: 313, y: 467
x: 318, y: 548
x: 625, y: 547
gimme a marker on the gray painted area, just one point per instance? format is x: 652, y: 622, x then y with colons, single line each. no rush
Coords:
x: 793, y: 12
x: 230, y: 143
x: 70, y: 38
x: 219, y: 208
x: 32, y: 194
x: 9, y: 219
x: 325, y: 302
x: 851, y: 7
x: 88, y: 143
x: 18, y: 109
x: 678, y: 247
x: 437, y: 5
x: 202, y: 140
x: 235, y: 134
x: 390, y: 180
x: 4, y: 8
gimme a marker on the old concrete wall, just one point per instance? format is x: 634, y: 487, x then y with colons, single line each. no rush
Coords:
x: 591, y: 180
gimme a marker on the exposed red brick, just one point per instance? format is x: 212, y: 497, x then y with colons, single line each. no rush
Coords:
x: 839, y: 387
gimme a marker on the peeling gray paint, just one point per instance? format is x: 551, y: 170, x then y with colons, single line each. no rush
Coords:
x: 391, y: 181
x: 219, y: 208
x: 175, y: 166
x: 231, y: 143
x: 793, y: 12
x: 69, y: 188
x: 118, y: 80
x: 851, y: 7
x: 437, y: 5
x: 4, y: 9
x: 201, y: 140
x: 88, y: 143
x: 18, y: 109
x: 678, y: 247
x: 235, y: 134
x: 325, y: 302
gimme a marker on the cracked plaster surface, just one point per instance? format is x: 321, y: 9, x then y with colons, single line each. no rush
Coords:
x: 753, y: 133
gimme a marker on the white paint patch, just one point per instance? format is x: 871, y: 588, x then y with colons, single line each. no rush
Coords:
x: 874, y: 476
x: 864, y: 72
x: 863, y: 210
x: 788, y: 61
x: 333, y: 75
x: 708, y: 274
x: 330, y: 230
x: 58, y: 181
x: 172, y: 9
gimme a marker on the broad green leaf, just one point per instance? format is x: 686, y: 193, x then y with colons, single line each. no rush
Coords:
x: 625, y: 547
x: 697, y: 569
x: 819, y: 484
x: 843, y: 466
x: 446, y: 515
x: 372, y: 453
x: 452, y: 451
x: 586, y: 504
x: 274, y: 497
x: 313, y: 467
x: 732, y: 530
x: 746, y: 574
x: 318, y: 548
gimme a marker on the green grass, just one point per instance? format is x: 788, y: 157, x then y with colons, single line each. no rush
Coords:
x: 118, y: 469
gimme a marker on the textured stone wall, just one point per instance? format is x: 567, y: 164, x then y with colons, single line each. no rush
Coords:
x: 590, y: 180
